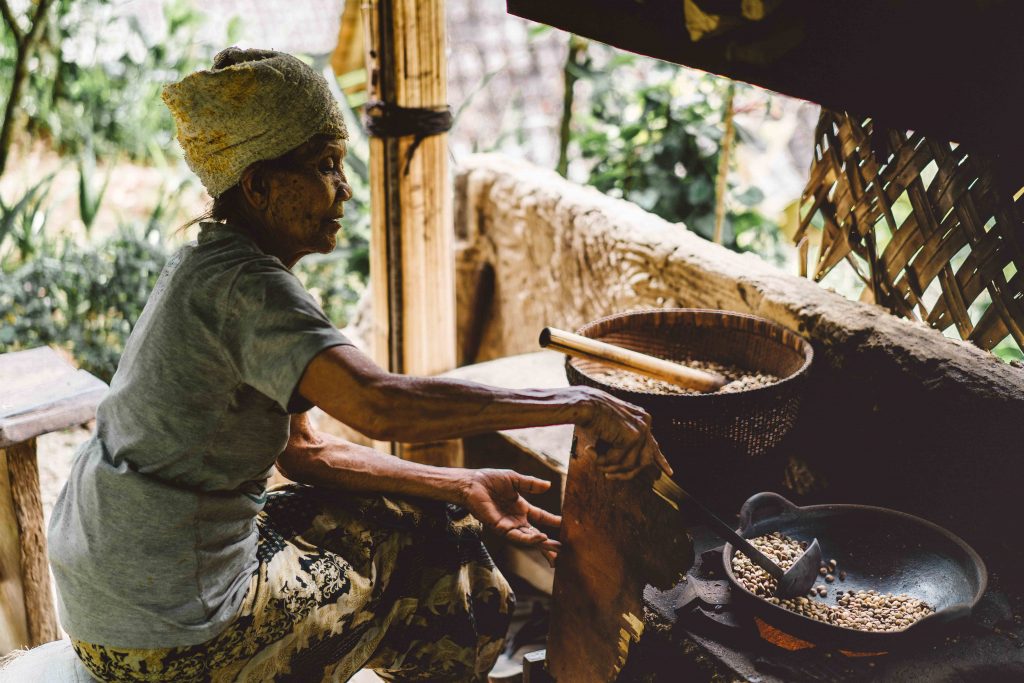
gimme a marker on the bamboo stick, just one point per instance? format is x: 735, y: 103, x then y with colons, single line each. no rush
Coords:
x: 591, y: 349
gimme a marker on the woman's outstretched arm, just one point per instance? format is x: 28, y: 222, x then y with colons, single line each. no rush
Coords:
x: 350, y: 387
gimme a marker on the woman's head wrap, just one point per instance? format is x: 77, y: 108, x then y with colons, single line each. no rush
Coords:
x: 251, y: 106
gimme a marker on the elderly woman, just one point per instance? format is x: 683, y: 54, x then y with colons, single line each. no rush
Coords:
x: 172, y: 559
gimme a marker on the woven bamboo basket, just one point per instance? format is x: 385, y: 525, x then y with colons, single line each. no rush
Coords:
x: 708, y: 435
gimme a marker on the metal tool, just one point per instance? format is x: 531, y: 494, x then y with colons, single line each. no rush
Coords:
x: 792, y: 582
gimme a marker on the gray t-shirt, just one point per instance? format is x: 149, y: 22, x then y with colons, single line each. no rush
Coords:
x: 153, y: 538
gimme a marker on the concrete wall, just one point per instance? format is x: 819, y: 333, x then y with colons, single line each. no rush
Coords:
x: 895, y: 413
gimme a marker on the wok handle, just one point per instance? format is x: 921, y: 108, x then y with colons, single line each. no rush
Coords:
x: 675, y: 495
x: 764, y: 505
x: 615, y: 356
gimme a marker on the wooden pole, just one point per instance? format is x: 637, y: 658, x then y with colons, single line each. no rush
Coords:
x: 27, y: 617
x: 412, y: 253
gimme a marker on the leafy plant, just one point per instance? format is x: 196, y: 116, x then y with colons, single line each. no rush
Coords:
x: 89, y: 197
x: 87, y: 89
x: 651, y: 133
x: 85, y: 300
x: 22, y: 225
x: 82, y: 298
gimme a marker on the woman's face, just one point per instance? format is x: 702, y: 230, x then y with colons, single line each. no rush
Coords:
x: 305, y: 200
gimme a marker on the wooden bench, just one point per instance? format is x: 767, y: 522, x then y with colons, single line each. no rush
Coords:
x: 40, y: 392
x: 539, y: 451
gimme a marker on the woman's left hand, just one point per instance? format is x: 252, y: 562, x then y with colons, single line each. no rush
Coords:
x: 495, y: 498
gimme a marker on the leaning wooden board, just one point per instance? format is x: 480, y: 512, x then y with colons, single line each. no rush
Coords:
x: 618, y: 536
x: 40, y: 392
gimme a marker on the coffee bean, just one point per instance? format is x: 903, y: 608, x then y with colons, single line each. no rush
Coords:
x: 864, y: 610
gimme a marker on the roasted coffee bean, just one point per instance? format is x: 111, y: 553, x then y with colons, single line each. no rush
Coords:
x: 865, y: 610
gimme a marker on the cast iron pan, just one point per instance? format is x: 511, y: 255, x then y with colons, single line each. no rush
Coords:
x: 880, y: 549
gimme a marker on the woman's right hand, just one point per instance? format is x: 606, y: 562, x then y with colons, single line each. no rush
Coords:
x: 620, y: 434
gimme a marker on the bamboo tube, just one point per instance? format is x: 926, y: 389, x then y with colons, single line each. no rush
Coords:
x: 618, y: 357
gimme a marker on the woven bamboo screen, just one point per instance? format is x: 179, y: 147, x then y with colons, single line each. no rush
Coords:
x: 924, y: 225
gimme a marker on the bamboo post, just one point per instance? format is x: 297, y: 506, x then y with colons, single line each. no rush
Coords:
x: 412, y: 254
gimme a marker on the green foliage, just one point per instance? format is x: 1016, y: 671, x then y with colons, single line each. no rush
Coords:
x: 85, y: 300
x: 1008, y: 351
x: 22, y: 225
x: 89, y: 197
x: 98, y: 79
x: 95, y: 93
x: 652, y: 135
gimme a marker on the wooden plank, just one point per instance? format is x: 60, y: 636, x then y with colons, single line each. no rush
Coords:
x: 19, y: 370
x: 948, y: 69
x: 42, y: 393
x: 540, y: 369
x: 549, y: 446
x: 617, y: 537
x: 14, y: 633
x: 530, y: 566
x: 412, y: 259
x: 23, y: 477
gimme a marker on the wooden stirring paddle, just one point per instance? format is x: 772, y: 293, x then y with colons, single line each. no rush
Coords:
x: 591, y: 349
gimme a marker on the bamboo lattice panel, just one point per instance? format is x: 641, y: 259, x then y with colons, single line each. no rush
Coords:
x: 924, y: 225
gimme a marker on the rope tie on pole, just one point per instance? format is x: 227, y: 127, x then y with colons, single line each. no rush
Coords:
x: 388, y: 120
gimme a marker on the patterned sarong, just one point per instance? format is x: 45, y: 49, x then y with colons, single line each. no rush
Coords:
x: 346, y: 582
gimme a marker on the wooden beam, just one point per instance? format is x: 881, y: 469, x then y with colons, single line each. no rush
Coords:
x: 412, y: 257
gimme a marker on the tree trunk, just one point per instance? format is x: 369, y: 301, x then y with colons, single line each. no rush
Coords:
x: 25, y: 45
x: 13, y: 100
x: 577, y: 49
x: 724, y: 153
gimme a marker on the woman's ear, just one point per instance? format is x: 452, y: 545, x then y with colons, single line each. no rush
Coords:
x: 255, y: 187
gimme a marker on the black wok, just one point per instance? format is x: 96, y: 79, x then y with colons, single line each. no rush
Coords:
x: 880, y: 549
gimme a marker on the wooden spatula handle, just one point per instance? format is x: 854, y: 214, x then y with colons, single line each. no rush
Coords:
x: 626, y: 359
